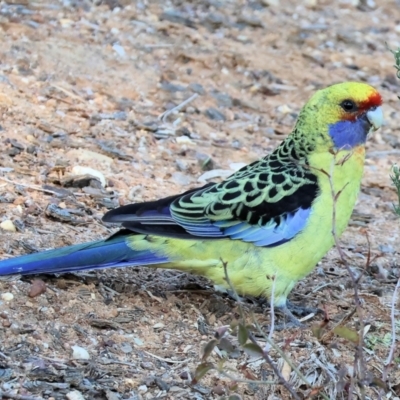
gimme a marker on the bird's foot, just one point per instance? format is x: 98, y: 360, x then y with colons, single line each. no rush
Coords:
x: 290, y: 321
x: 303, y: 311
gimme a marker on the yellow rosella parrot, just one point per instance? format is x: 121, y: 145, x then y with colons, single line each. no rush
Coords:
x: 271, y: 221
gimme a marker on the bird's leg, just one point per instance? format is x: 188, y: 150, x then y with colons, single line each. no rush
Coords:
x: 290, y: 320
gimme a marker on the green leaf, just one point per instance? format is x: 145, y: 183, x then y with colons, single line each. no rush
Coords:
x: 347, y: 333
x: 201, y: 370
x: 208, y: 348
x: 253, y: 350
x: 243, y: 334
x: 234, y: 396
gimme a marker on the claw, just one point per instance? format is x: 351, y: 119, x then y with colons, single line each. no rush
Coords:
x: 302, y: 311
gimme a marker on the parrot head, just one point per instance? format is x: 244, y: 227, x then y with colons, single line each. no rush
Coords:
x: 343, y: 115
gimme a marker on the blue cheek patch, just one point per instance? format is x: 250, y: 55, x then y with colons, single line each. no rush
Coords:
x: 349, y: 134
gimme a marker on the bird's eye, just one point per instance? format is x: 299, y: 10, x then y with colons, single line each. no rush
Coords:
x: 348, y: 105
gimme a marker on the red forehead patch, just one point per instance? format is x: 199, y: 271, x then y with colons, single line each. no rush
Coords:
x: 374, y: 100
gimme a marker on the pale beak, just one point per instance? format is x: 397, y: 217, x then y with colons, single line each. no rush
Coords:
x: 375, y: 118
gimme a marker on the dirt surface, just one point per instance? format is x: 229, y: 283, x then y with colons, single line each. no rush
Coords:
x: 86, y: 85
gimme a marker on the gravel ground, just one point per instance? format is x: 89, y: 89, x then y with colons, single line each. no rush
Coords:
x: 86, y: 90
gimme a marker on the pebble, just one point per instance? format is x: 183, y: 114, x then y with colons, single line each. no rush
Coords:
x: 37, y: 288
x: 284, y: 109
x: 197, y: 88
x: 79, y: 170
x: 215, y: 173
x: 138, y: 341
x: 214, y: 114
x: 79, y: 353
x: 181, y: 179
x: 119, y: 50
x: 8, y: 225
x: 7, y: 296
x: 74, y: 395
x: 223, y: 99
x: 126, y: 348
x: 142, y: 388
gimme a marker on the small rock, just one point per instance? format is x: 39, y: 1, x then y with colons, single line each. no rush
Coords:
x: 147, y: 365
x: 74, y: 395
x: 270, y: 2
x: 219, y: 390
x: 284, y: 109
x: 79, y: 170
x: 184, y: 140
x: 214, y: 114
x: 161, y: 384
x: 181, y: 179
x: 119, y: 50
x: 205, y: 161
x: 386, y: 248
x: 197, y: 88
x: 8, y: 225
x: 79, y: 353
x: 138, y: 341
x: 223, y: 99
x: 184, y: 375
x: 142, y: 388
x: 215, y: 173
x: 177, y: 18
x: 7, y: 296
x: 181, y: 165
x: 37, y: 288
x: 126, y: 348
x: 112, y: 395
x: 158, y: 325
x: 172, y: 87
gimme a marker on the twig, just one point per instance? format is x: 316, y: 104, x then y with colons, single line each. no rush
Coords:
x: 39, y: 189
x: 272, y: 312
x: 359, y: 353
x: 281, y: 379
x: 393, y: 344
x: 164, y: 359
x: 163, y: 117
x: 286, y: 358
x: 234, y: 293
x: 33, y: 187
x: 248, y: 381
x: 266, y: 357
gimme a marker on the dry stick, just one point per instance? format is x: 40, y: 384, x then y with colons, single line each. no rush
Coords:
x: 235, y: 295
x: 359, y: 354
x: 37, y: 188
x: 271, y: 343
x: 284, y: 356
x: 393, y: 344
x: 272, y: 312
x: 266, y: 357
x: 163, y: 117
x: 248, y: 381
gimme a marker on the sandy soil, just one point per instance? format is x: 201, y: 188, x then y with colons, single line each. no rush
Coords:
x: 86, y: 85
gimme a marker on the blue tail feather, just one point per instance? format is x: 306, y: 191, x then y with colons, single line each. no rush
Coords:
x: 113, y: 252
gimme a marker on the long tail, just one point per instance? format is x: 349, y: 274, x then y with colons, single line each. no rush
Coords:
x: 112, y: 252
